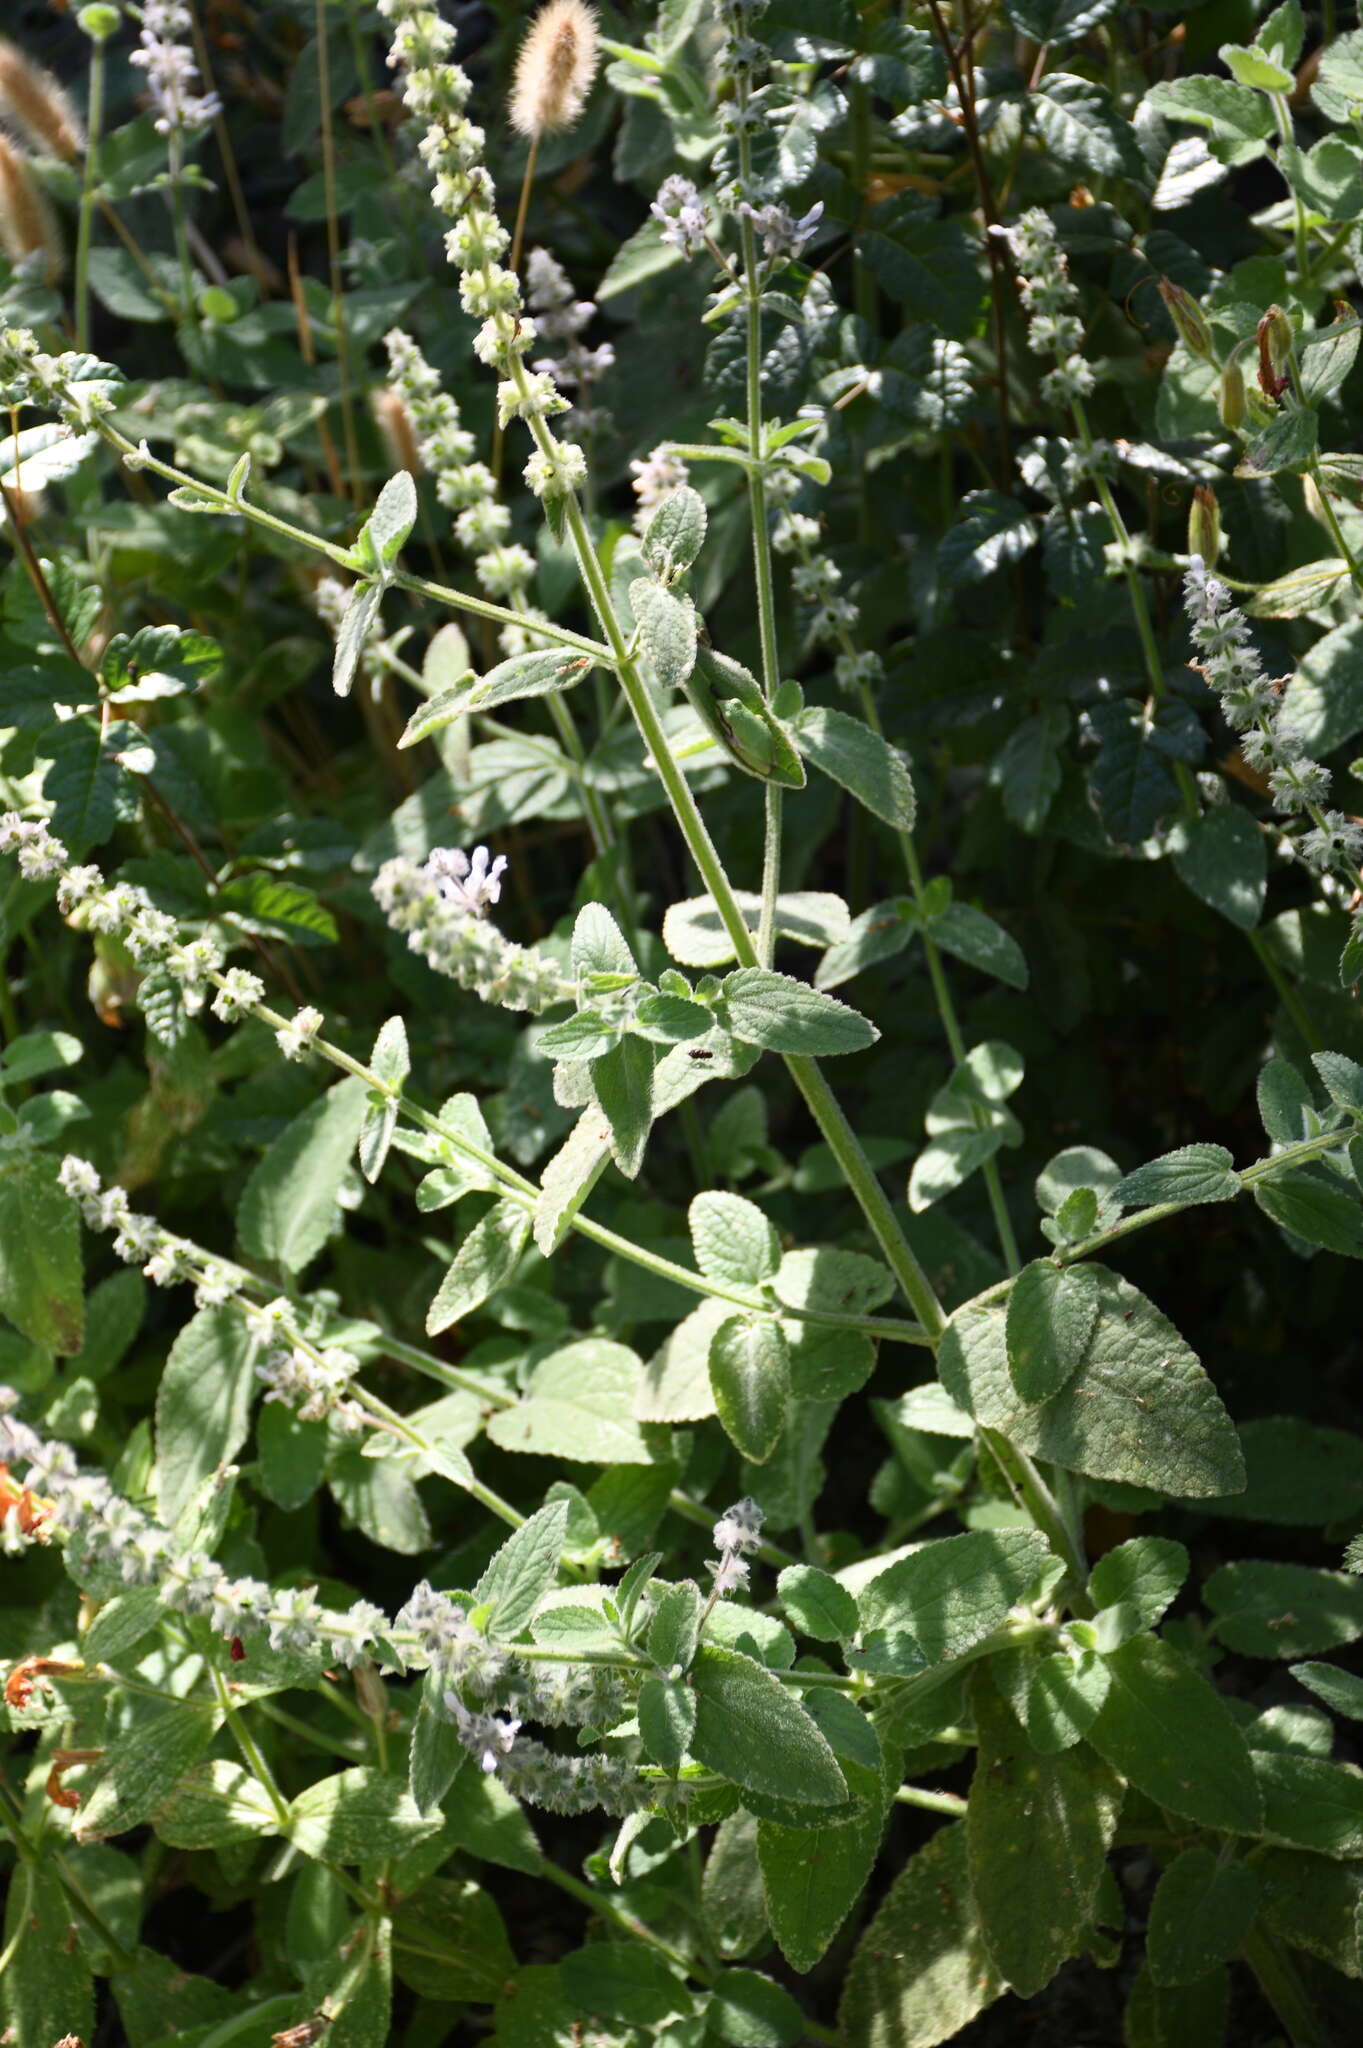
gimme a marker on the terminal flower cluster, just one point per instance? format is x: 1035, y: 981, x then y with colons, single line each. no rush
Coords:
x: 438, y: 904
x: 1252, y: 702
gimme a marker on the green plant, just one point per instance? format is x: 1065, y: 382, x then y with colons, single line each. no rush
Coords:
x: 689, y: 1262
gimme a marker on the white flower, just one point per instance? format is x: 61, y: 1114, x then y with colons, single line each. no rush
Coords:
x: 683, y: 213
x: 294, y: 1038
x: 489, y: 1737
x: 470, y: 883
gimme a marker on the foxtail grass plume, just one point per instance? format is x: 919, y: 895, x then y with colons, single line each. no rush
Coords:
x: 32, y: 101
x: 555, y: 68
x: 27, y: 223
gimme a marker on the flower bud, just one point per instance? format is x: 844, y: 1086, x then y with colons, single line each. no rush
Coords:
x: 1204, y: 525
x: 99, y: 22
x: 1275, y: 351
x: 1187, y: 317
x: 1230, y: 397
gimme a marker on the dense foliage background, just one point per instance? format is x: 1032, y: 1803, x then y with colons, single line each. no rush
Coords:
x: 1099, y: 901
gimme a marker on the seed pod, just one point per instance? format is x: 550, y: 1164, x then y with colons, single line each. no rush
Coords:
x: 1230, y: 398
x: 1187, y: 317
x: 1275, y: 352
x: 1204, y: 525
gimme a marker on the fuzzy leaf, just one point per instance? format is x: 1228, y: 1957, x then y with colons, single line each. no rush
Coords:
x: 753, y: 1731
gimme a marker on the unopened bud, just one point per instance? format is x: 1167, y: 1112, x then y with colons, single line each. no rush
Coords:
x: 1187, y: 317
x: 99, y: 22
x: 1230, y: 398
x: 1204, y: 525
x: 1275, y: 350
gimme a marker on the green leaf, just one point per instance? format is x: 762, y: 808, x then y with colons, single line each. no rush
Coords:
x: 262, y: 903
x: 1299, y: 1473
x: 544, y: 672
x: 1079, y: 127
x: 694, y: 932
x: 1052, y: 1313
x: 436, y: 1754
x: 215, y: 1803
x: 1063, y: 1696
x: 622, y: 1083
x: 291, y: 1455
x: 812, y: 1877
x: 1028, y: 767
x: 569, y: 1178
x: 289, y: 1204
x: 41, y: 1278
x: 450, y: 1943
x: 1133, y: 1585
x: 1341, y: 1691
x: 1288, y: 442
x: 439, y: 711
x: 141, y: 1767
x: 748, y: 2010
x: 924, y: 262
x: 482, y: 1817
x: 47, y: 1992
x: 667, y: 1720
x: 667, y: 627
x: 1252, y: 67
x: 817, y: 1604
x: 1324, y: 699
x: 624, y: 1980
x: 1294, y: 595
x: 203, y: 1404
x: 855, y: 756
x: 1315, y: 1210
x: 384, y: 533
x: 36, y: 1053
x: 1343, y: 1080
x: 1222, y: 858
x: 829, y: 1281
x: 732, y: 1240
x: 1237, y: 120
x: 358, y: 1816
x: 1195, y: 1173
x: 392, y: 1062
x: 1310, y: 1802
x: 484, y: 1262
x: 122, y: 1622
x: 675, y: 534
x: 1315, y: 1904
x: 1038, y: 1830
x: 1328, y: 179
x: 379, y: 1496
x: 1202, y: 1910
x: 1139, y: 1409
x: 360, y: 615
x: 949, y: 1595
x: 784, y: 1015
x: 674, y: 1630
x: 1174, y: 1739
x: 994, y: 531
x: 523, y: 1570
x: 921, y: 1971
x: 972, y: 936
x: 578, y: 1405
x: 644, y: 255
x: 1338, y: 87
x: 752, y: 1730
x: 750, y: 1375
x: 734, y: 1909
x: 1284, y: 1610
x: 947, y: 1162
